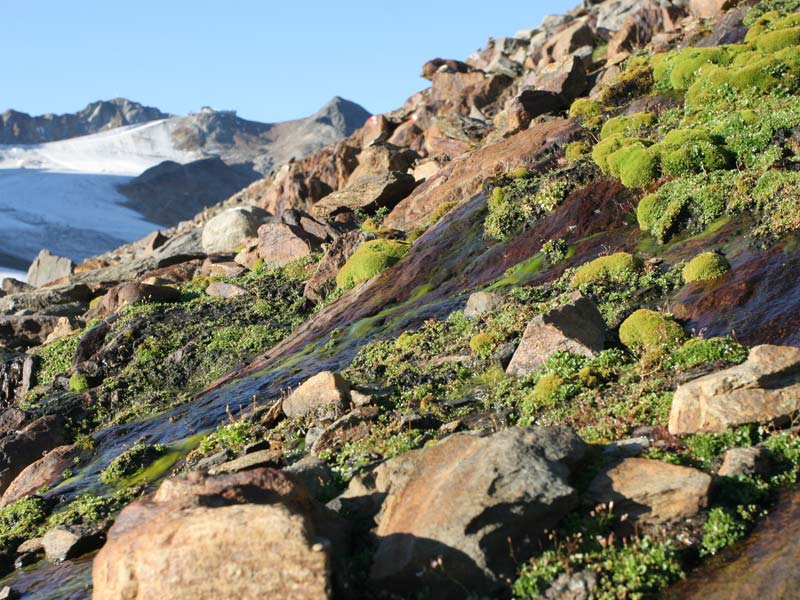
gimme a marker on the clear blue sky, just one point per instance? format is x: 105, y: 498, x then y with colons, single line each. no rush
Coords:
x: 269, y: 60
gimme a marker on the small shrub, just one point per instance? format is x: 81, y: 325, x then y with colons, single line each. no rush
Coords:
x: 697, y: 351
x: 615, y: 267
x: 576, y: 151
x: 705, y: 266
x: 647, y: 330
x: 722, y: 529
x: 555, y: 251
x: 78, y: 383
x: 232, y: 436
x: 482, y: 344
x: 369, y: 259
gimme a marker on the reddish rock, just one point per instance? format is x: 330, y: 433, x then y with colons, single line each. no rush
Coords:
x: 565, y: 42
x: 22, y: 448
x: 279, y: 244
x: 324, y: 279
x: 430, y: 68
x: 652, y: 491
x: 153, y: 242
x: 565, y: 78
x: 639, y: 28
x: 47, y: 471
x: 463, y: 92
x: 380, y: 159
x: 349, y: 428
x: 709, y: 8
x: 220, y: 266
x: 248, y: 256
x: 251, y: 534
x: 19, y: 331
x: 133, y: 293
x: 325, y: 395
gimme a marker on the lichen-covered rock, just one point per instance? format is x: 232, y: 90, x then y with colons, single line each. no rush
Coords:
x: 458, y: 514
x: 764, y: 389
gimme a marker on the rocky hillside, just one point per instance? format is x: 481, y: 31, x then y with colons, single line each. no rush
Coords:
x: 535, y: 334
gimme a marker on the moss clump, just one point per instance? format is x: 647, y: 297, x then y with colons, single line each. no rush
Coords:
x: 647, y: 329
x: 78, y: 383
x: 232, y: 436
x: 613, y: 268
x: 482, y: 344
x: 605, y: 148
x: 55, y: 359
x: 635, y: 81
x: 705, y: 266
x: 775, y: 197
x: 636, y: 166
x: 576, y: 151
x: 691, y: 151
x: 588, y: 111
x: 545, y: 392
x: 369, y: 259
x: 631, y: 124
x: 584, y: 107
x: 778, y: 40
x: 129, y: 462
x: 692, y: 202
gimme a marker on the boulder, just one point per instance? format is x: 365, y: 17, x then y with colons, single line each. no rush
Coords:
x: 460, y: 514
x: 133, y: 293
x: 749, y: 462
x: 67, y: 300
x: 709, y: 8
x: 220, y: 265
x: 566, y: 78
x: 259, y: 458
x: 47, y: 471
x: 651, y: 491
x: 280, y: 244
x: 313, y: 473
x: 638, y: 29
x: 430, y: 68
x: 326, y: 395
x: 351, y: 427
x: 460, y: 93
x: 576, y: 327
x: 611, y: 14
x: 247, y: 535
x: 15, y: 286
x: 228, y: 230
x: 368, y: 194
x: 46, y: 268
x: 21, y: 448
x: 16, y: 375
x: 220, y: 289
x: 379, y: 159
x: 324, y: 279
x: 153, y: 242
x: 71, y: 541
x: 480, y: 303
x: 564, y: 43
x: 763, y: 389
x: 24, y: 331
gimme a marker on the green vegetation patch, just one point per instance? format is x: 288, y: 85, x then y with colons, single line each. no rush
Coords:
x: 127, y: 464
x: 617, y: 267
x: 705, y: 266
x: 369, y: 259
x: 648, y: 330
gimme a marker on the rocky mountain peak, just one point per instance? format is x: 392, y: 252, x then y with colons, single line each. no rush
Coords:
x: 21, y: 128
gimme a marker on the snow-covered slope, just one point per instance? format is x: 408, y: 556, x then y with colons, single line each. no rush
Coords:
x: 62, y: 195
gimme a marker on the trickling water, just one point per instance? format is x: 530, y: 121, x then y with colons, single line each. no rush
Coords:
x: 764, y: 566
x: 70, y: 580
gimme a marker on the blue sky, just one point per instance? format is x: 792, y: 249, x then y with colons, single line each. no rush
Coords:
x: 270, y: 61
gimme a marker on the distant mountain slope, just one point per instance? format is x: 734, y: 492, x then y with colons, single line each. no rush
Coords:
x: 83, y: 195
x: 21, y: 128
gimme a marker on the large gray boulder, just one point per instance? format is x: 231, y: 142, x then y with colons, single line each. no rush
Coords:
x: 457, y: 515
x: 228, y: 230
x: 764, y: 389
x: 47, y: 267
